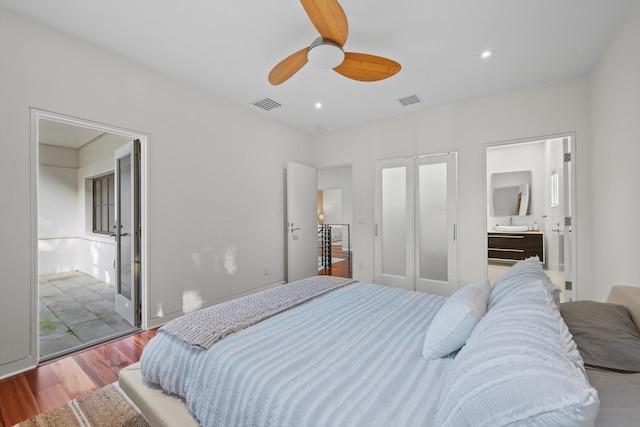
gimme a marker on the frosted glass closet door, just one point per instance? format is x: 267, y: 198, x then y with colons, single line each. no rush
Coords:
x: 436, y: 212
x: 394, y: 223
x: 415, y: 220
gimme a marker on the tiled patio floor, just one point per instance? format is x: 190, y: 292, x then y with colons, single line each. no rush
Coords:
x: 75, y: 310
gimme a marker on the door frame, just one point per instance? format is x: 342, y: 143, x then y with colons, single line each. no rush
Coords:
x: 573, y: 294
x: 35, y: 116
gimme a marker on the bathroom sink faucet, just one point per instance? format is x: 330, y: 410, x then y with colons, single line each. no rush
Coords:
x: 510, y: 220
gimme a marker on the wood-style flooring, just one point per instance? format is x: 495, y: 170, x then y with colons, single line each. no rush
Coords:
x: 55, y: 383
x: 339, y: 269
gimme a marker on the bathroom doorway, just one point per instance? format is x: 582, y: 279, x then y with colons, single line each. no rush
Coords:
x: 84, y: 262
x: 529, y: 200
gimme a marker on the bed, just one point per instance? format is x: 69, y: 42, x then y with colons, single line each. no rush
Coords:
x: 370, y: 355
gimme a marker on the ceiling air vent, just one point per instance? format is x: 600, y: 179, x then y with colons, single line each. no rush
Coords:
x: 408, y: 100
x: 267, y: 104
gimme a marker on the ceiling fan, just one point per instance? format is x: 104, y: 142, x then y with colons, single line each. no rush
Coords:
x: 327, y: 50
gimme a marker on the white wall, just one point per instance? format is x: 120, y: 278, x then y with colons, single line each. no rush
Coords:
x: 96, y: 253
x: 615, y: 129
x: 57, y: 213
x: 215, y: 175
x: 332, y: 205
x: 57, y: 195
x: 549, y: 109
x: 66, y: 241
x: 57, y: 220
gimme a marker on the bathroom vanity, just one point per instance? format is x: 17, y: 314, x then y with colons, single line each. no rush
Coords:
x: 515, y: 246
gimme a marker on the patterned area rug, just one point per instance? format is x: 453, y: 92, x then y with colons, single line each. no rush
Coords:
x: 105, y: 407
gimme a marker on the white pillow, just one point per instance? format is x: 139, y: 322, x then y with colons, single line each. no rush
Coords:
x: 453, y: 323
x: 519, y: 367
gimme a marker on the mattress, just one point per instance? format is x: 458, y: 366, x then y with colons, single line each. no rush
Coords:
x: 351, y: 357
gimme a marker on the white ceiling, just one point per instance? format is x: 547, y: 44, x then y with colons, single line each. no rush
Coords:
x: 228, y: 48
x: 63, y: 135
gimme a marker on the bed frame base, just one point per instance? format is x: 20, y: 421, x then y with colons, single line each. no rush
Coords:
x: 160, y: 408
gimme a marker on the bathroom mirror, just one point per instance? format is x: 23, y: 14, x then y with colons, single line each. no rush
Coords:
x: 511, y: 193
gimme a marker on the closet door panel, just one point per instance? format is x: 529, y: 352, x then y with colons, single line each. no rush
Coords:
x: 394, y: 223
x: 436, y: 216
x: 432, y: 221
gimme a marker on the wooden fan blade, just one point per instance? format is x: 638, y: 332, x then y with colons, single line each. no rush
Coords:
x: 367, y: 68
x: 328, y: 18
x: 288, y: 67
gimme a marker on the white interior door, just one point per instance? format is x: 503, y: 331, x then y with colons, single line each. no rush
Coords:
x: 394, y: 225
x: 127, y: 231
x: 302, y: 225
x: 436, y: 221
x: 415, y: 223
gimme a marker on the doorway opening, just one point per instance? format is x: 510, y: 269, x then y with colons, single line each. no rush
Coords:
x: 529, y: 195
x: 335, y: 221
x: 83, y: 258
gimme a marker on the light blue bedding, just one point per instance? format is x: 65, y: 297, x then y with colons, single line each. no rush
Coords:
x: 351, y: 357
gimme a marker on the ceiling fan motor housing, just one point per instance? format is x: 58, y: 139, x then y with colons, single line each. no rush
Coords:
x: 325, y: 53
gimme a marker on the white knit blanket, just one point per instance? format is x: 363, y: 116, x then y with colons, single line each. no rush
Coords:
x: 203, y: 328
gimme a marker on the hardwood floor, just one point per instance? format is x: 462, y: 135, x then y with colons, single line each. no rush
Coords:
x: 339, y: 269
x: 57, y: 382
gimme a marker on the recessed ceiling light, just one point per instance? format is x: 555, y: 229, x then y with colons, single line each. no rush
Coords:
x: 318, y: 105
x: 486, y: 54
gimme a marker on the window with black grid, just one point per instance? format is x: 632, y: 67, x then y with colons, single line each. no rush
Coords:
x: 103, y: 204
